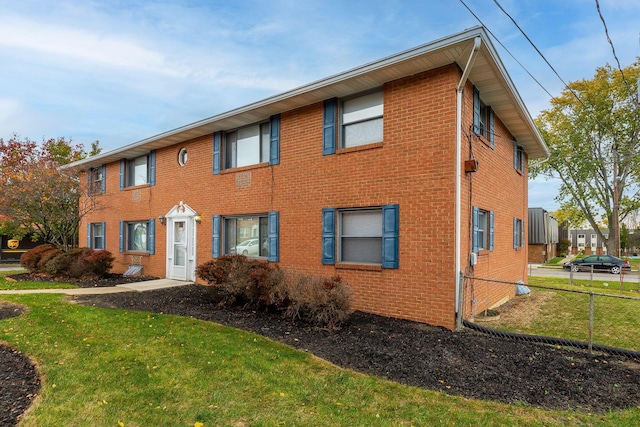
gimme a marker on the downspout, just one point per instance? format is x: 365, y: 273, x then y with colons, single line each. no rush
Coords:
x: 458, y: 267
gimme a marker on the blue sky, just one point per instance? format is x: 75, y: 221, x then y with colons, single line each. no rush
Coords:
x: 121, y: 71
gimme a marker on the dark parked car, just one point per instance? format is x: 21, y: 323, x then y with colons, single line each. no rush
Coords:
x: 599, y: 263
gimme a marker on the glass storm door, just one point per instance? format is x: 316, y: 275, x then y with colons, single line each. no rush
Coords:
x: 178, y: 248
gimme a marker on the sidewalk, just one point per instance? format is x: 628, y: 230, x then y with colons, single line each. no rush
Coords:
x: 149, y: 285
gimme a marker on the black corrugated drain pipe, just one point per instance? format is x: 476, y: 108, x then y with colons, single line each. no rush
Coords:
x: 552, y: 340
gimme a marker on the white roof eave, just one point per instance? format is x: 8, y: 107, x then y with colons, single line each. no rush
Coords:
x: 452, y: 49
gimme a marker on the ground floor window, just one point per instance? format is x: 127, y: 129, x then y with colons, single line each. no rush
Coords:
x: 252, y: 235
x: 137, y: 236
x: 518, y: 233
x: 482, y: 229
x: 246, y: 235
x: 95, y: 235
x: 361, y: 235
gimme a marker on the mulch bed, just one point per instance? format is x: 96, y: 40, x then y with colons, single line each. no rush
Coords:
x: 462, y: 363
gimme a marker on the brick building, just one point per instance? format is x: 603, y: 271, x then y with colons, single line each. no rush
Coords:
x: 400, y: 176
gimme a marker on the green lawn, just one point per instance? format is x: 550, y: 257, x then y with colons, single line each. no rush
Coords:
x: 103, y: 367
x: 9, y: 285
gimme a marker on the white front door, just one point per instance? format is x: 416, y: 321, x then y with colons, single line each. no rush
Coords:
x: 181, y: 243
x: 179, y: 249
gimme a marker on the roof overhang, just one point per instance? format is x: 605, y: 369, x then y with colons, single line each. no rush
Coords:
x: 488, y: 75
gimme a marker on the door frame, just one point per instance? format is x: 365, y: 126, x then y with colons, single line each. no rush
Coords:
x: 182, y: 212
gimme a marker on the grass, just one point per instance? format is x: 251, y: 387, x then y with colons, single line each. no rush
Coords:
x: 566, y: 314
x: 104, y: 367
x: 9, y: 285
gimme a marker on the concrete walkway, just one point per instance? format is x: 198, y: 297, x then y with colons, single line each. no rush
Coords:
x: 149, y: 285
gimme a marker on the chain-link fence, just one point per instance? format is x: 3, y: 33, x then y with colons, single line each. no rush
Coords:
x: 597, y: 315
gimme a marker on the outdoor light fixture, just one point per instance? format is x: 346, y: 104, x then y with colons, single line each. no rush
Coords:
x: 198, y: 218
x: 162, y: 219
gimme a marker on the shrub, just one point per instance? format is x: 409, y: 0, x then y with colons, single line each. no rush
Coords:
x: 315, y: 299
x: 77, y: 263
x: 30, y: 259
x: 46, y: 257
x: 236, y: 279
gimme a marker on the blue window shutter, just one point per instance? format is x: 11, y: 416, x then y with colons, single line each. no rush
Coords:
x: 217, y: 142
x: 103, y: 188
x: 490, y: 230
x: 390, y: 236
x: 491, y: 127
x: 329, y: 127
x: 89, y: 235
x: 328, y: 236
x: 515, y: 155
x: 476, y: 245
x: 152, y: 167
x: 476, y: 110
x: 104, y: 235
x: 121, y: 241
x: 151, y: 241
x: 515, y: 233
x: 274, y: 231
x: 274, y: 145
x: 123, y: 165
x: 215, y: 236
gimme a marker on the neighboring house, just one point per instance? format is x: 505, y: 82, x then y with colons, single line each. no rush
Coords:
x: 587, y: 242
x: 543, y: 236
x: 401, y: 176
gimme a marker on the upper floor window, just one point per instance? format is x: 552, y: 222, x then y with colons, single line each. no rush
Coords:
x: 247, y: 146
x: 97, y: 182
x: 140, y: 170
x: 518, y: 157
x: 483, y: 118
x: 362, y: 120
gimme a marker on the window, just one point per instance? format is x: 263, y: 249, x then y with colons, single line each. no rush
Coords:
x: 361, y: 121
x: 251, y: 235
x: 594, y: 241
x: 137, y: 236
x: 482, y: 229
x: 138, y: 171
x: 362, y: 236
x: 97, y: 182
x: 95, y: 235
x: 518, y: 233
x: 183, y: 156
x: 238, y: 235
x: 518, y: 157
x: 483, y: 118
x: 246, y: 146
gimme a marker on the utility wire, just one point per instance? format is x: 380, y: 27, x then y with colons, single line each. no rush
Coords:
x: 539, y: 53
x: 505, y: 48
x: 613, y: 49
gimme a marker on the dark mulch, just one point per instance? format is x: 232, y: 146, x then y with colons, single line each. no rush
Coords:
x: 19, y: 379
x: 106, y: 280
x: 462, y: 363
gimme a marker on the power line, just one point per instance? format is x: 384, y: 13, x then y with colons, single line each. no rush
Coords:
x: 539, y: 53
x: 613, y: 49
x: 505, y: 48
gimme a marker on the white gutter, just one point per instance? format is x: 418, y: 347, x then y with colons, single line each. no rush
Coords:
x: 458, y: 266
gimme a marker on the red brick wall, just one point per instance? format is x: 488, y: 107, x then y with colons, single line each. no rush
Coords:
x: 414, y: 167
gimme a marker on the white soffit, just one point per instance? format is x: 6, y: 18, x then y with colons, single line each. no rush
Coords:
x: 488, y: 74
